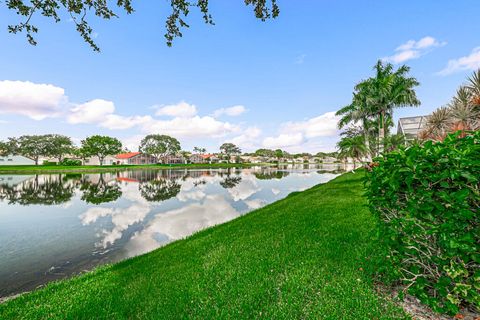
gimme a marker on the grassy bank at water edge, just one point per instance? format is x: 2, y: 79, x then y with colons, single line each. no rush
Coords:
x: 301, y: 257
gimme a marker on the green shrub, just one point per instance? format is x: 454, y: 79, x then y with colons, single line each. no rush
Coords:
x: 49, y: 163
x: 427, y: 199
x: 70, y: 162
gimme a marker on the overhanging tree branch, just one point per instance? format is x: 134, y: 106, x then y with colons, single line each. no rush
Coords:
x: 78, y: 10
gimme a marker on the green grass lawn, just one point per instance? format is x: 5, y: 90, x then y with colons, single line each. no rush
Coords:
x: 301, y: 257
x: 25, y: 169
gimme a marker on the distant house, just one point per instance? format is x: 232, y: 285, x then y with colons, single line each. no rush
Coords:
x: 254, y: 159
x: 204, y: 158
x: 172, y: 159
x: 18, y: 160
x: 93, y: 161
x: 235, y: 159
x: 212, y: 158
x: 198, y: 158
x: 135, y: 158
x: 328, y: 159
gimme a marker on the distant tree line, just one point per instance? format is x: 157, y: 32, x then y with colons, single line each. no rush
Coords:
x: 61, y: 148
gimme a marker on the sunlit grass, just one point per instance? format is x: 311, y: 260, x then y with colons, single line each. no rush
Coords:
x: 301, y: 257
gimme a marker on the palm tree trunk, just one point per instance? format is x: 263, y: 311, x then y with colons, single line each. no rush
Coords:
x: 367, y: 146
x: 381, y: 132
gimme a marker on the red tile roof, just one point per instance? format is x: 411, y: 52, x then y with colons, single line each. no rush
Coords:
x: 127, y: 179
x: 127, y: 155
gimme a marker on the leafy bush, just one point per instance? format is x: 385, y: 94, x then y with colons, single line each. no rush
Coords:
x: 427, y: 200
x: 49, y: 163
x: 70, y: 162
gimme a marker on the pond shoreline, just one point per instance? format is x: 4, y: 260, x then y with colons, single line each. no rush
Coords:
x: 96, y: 169
x: 58, y: 225
x: 309, y: 249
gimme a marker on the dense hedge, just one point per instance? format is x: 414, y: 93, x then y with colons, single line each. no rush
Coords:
x: 70, y: 162
x: 427, y: 199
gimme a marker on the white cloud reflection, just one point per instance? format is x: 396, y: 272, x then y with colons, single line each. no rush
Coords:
x: 180, y: 223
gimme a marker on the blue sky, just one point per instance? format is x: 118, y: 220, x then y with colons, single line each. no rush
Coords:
x: 258, y: 84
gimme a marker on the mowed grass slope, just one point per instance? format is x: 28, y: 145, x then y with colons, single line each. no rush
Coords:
x: 301, y: 257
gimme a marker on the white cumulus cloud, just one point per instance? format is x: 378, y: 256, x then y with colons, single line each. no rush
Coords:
x: 181, y: 110
x: 248, y: 139
x: 93, y: 111
x: 283, y: 141
x: 231, y: 111
x: 102, y: 112
x: 34, y: 100
x: 190, y: 127
x: 470, y: 62
x: 297, y: 135
x: 321, y: 126
x: 413, y: 49
x: 117, y: 122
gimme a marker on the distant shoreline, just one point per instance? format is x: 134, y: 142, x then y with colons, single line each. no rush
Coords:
x: 32, y: 169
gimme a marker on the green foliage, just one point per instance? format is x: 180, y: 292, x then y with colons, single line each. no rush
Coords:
x: 393, y: 142
x: 78, y: 12
x: 36, y: 146
x: 230, y: 149
x: 265, y: 153
x: 375, y: 98
x: 352, y: 147
x: 6, y: 148
x: 48, y: 163
x: 427, y: 199
x: 159, y: 145
x: 70, y: 162
x: 33, y: 147
x: 199, y: 150
x: 58, y: 146
x: 101, y: 146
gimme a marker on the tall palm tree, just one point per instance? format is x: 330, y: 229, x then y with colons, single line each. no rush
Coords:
x: 352, y: 147
x: 462, y: 111
x: 387, y: 90
x: 438, y: 124
x: 473, y: 85
x: 394, y: 141
x: 358, y: 111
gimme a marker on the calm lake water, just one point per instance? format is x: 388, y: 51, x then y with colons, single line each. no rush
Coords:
x: 53, y: 226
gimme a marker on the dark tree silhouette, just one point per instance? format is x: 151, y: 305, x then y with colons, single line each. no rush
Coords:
x: 159, y: 190
x: 101, y: 192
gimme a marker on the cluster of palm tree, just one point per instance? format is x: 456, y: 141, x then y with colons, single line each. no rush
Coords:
x: 369, y: 116
x: 462, y: 113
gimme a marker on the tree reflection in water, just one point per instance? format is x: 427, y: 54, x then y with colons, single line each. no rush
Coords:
x: 44, y: 190
x: 270, y: 174
x: 159, y: 190
x: 101, y: 191
x: 230, y: 181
